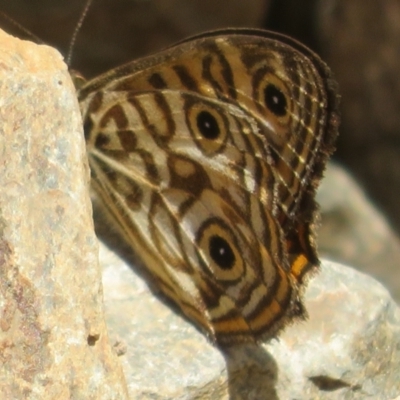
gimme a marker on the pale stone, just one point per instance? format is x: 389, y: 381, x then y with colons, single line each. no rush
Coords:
x: 354, y: 232
x: 53, y: 338
x: 349, y: 348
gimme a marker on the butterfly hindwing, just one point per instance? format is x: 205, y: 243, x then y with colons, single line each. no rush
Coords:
x: 207, y: 156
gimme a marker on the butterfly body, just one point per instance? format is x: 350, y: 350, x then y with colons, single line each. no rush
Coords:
x: 207, y: 156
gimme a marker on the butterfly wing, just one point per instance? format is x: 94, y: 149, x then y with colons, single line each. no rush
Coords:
x: 189, y: 182
x: 184, y: 197
x: 279, y: 83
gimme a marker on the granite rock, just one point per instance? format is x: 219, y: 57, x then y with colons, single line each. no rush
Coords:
x: 349, y: 348
x: 53, y: 338
x: 354, y: 232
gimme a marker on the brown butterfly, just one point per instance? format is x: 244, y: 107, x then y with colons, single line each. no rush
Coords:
x: 207, y: 156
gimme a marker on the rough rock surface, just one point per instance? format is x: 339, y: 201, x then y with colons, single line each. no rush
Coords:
x: 348, y: 349
x: 354, y: 232
x: 53, y: 338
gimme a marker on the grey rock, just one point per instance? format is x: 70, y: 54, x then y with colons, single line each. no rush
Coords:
x: 354, y: 232
x: 349, y: 348
x: 53, y: 339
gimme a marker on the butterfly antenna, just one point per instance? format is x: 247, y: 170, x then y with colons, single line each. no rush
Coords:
x: 28, y: 33
x: 76, y: 31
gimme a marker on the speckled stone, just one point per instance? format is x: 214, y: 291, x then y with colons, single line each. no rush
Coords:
x: 354, y: 232
x: 349, y: 348
x: 53, y: 339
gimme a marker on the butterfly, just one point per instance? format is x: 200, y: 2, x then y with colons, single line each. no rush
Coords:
x: 207, y: 156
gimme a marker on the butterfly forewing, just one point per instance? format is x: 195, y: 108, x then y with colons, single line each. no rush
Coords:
x: 207, y: 157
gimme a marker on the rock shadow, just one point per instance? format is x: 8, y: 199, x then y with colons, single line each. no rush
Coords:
x: 251, y: 371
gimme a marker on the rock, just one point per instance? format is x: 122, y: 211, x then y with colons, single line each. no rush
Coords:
x: 354, y: 232
x: 349, y: 347
x: 53, y: 338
